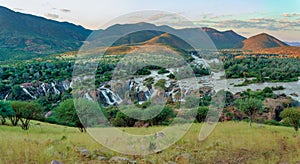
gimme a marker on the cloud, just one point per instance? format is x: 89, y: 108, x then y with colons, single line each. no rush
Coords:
x: 65, y: 10
x: 291, y: 14
x: 257, y: 23
x: 18, y: 9
x: 52, y: 16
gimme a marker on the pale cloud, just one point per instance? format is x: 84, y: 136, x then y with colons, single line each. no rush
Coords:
x: 18, y: 9
x: 257, y: 23
x: 52, y: 16
x: 291, y: 14
x: 65, y: 10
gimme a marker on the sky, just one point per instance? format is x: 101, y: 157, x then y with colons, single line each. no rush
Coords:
x: 280, y: 18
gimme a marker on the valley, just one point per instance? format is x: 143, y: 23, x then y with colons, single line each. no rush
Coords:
x: 67, y: 93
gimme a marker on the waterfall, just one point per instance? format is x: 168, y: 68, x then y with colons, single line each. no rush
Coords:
x: 44, y: 89
x: 5, y: 98
x: 65, y: 85
x: 200, y: 61
x: 27, y: 92
x: 56, y: 91
x: 107, y: 100
x: 87, y: 95
x: 114, y: 98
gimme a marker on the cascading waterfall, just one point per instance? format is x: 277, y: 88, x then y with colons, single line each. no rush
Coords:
x: 44, y: 89
x: 56, y: 91
x: 110, y: 97
x: 5, y: 98
x: 87, y: 95
x: 65, y: 85
x: 28, y: 93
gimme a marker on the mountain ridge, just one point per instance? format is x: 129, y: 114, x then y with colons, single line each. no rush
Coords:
x: 262, y: 41
x: 25, y: 36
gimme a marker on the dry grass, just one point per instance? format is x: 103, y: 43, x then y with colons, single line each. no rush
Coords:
x: 231, y: 142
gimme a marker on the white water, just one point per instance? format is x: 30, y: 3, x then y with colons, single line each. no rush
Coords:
x: 66, y: 85
x: 56, y: 91
x: 5, y: 98
x: 44, y: 89
x: 87, y: 95
x: 28, y: 93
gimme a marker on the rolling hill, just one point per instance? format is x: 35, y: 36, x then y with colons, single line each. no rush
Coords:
x: 24, y: 36
x: 262, y: 41
x: 131, y: 34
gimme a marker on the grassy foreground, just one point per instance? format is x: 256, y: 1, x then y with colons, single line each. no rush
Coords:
x: 231, y: 142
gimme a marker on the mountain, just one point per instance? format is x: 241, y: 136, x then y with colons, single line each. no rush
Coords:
x: 130, y: 34
x: 297, y: 44
x: 24, y: 36
x: 262, y: 41
x: 227, y: 39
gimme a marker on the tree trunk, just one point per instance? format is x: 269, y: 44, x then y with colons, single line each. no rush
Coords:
x: 25, y: 124
x: 14, y: 121
x: 3, y: 121
x: 250, y: 121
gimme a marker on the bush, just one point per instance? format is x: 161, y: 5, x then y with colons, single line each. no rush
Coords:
x: 291, y: 116
x: 202, y: 113
x: 273, y: 122
x: 25, y: 111
x: 6, y: 111
x: 163, y: 71
x: 161, y: 84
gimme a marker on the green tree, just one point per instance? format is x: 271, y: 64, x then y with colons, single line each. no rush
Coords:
x: 66, y: 114
x: 202, y: 113
x: 86, y: 114
x: 25, y: 111
x: 5, y: 111
x: 291, y: 116
x: 249, y: 106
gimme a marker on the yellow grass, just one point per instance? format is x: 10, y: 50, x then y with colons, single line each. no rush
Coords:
x: 231, y: 142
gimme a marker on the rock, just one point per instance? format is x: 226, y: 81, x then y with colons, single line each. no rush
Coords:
x: 101, y: 158
x: 145, y: 161
x: 138, y: 124
x: 294, y: 94
x: 85, y: 153
x: 171, y: 162
x: 142, y: 96
x: 159, y: 134
x: 48, y: 114
x: 117, y: 159
x: 185, y: 158
x: 55, y: 162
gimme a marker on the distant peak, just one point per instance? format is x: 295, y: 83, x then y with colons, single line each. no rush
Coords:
x: 262, y: 41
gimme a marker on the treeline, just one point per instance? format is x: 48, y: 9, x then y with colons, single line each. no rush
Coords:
x: 263, y: 69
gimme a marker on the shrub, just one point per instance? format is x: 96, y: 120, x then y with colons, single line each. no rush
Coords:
x: 292, y: 117
x: 25, y: 111
x: 6, y: 111
x: 249, y: 106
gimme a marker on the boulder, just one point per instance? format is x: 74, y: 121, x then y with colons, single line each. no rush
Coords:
x: 55, y: 162
x: 117, y: 159
x: 184, y: 158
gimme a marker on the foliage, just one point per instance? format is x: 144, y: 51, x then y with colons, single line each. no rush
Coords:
x: 161, y: 83
x: 6, y: 111
x: 24, y: 112
x: 292, y: 117
x: 263, y: 69
x: 86, y: 114
x: 202, y: 113
x: 163, y: 71
x: 249, y: 106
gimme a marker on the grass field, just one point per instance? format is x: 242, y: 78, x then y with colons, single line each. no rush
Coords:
x: 231, y: 142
